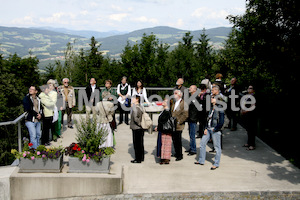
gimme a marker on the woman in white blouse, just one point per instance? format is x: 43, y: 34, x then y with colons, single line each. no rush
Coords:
x: 139, y: 90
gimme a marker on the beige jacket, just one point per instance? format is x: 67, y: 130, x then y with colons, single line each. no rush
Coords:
x: 71, y: 96
x: 109, y: 111
x: 181, y: 114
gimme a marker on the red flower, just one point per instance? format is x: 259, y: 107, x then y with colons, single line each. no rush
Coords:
x: 30, y: 144
x: 74, y: 148
x: 79, y: 149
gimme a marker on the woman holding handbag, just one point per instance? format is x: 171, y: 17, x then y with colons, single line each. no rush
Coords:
x: 137, y: 130
x: 166, y: 125
x: 106, y: 112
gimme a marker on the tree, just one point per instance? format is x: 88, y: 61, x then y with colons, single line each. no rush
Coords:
x: 204, y: 55
x: 94, y: 60
x: 263, y: 49
x: 70, y: 61
x: 16, y: 75
x: 140, y: 60
x: 182, y: 63
x: 161, y: 68
x: 269, y: 34
x: 60, y: 72
x: 49, y: 74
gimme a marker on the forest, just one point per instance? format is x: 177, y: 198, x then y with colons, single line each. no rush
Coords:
x: 262, y: 50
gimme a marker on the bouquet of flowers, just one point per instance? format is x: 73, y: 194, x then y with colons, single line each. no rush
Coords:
x: 41, y: 152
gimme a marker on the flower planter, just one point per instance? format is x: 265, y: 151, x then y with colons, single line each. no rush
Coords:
x: 39, y: 165
x: 77, y: 166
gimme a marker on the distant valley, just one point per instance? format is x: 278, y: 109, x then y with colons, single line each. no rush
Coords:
x: 48, y: 44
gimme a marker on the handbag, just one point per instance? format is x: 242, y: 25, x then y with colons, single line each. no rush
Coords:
x: 112, y: 124
x: 127, y: 102
x: 146, y: 122
x: 55, y: 114
x: 170, y: 125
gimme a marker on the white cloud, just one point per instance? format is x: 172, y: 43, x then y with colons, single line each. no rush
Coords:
x: 60, y: 18
x: 199, y: 12
x: 117, y: 8
x: 93, y: 4
x: 145, y: 19
x: 179, y: 22
x: 84, y: 12
x: 209, y: 13
x: 27, y: 20
x: 118, y: 17
x: 222, y: 14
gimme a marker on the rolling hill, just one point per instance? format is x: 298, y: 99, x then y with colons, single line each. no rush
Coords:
x: 42, y: 43
x: 49, y: 45
x: 83, y: 33
x: 115, y: 44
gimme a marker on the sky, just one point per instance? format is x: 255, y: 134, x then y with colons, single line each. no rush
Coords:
x: 120, y: 15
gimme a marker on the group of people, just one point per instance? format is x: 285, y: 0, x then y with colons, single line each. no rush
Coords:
x: 205, y: 108
x: 54, y: 101
x: 211, y: 120
x: 49, y: 106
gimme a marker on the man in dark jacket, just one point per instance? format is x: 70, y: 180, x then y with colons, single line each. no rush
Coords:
x: 93, y: 94
x: 33, y: 109
x: 203, y: 96
x: 230, y: 112
x: 192, y: 119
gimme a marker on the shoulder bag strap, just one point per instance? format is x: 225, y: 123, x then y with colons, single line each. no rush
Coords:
x: 104, y: 111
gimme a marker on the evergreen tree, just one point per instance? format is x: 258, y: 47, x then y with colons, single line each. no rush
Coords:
x: 94, y: 60
x: 204, y: 55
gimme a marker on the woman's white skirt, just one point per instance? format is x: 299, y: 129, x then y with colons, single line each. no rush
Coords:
x: 109, y: 142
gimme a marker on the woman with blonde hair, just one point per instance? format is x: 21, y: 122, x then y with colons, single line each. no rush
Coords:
x: 48, y: 98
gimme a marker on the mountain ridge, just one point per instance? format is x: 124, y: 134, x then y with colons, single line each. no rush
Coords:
x: 83, y: 33
x: 49, y: 45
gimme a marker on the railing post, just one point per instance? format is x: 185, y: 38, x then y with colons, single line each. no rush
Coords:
x: 19, y: 137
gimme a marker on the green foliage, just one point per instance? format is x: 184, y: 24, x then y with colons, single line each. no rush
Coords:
x: 41, y: 148
x: 109, y: 151
x: 16, y: 75
x: 268, y: 37
x: 89, y: 135
x: 263, y: 50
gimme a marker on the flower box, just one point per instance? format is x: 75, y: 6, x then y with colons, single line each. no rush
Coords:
x: 78, y: 166
x: 40, y: 165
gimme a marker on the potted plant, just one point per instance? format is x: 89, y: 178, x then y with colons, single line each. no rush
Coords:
x: 85, y: 155
x: 39, y: 160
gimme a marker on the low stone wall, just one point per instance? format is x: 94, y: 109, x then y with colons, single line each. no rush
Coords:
x: 63, y: 185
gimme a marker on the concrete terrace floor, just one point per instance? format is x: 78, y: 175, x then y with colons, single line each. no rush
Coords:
x: 261, y: 170
x: 258, y: 174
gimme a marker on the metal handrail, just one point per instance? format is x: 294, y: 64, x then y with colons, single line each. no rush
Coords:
x: 13, y: 122
x: 148, y: 88
x: 17, y: 120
